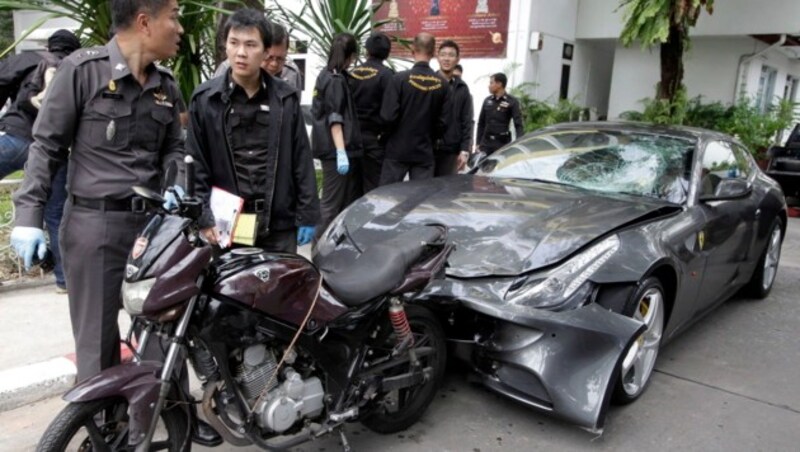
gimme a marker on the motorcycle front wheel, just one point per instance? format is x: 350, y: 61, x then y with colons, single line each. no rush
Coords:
x: 397, y: 410
x: 102, y: 425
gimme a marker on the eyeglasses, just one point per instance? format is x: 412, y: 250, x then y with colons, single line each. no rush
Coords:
x: 277, y: 59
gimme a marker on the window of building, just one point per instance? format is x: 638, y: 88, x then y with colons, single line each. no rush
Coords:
x: 766, y: 87
x: 790, y: 90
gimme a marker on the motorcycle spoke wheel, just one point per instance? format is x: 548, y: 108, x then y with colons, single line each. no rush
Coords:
x: 102, y: 426
x: 395, y: 411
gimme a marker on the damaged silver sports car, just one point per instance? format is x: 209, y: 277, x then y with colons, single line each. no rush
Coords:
x: 580, y: 249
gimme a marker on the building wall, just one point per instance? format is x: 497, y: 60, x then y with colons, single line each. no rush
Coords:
x: 710, y: 70
x: 603, y: 18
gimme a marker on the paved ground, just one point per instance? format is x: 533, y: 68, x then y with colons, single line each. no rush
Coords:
x: 729, y: 383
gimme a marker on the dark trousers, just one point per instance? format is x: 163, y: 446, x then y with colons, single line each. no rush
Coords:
x: 13, y: 155
x: 95, y: 247
x: 445, y: 164
x: 491, y: 143
x: 395, y: 171
x: 372, y: 162
x: 338, y: 191
x: 279, y: 241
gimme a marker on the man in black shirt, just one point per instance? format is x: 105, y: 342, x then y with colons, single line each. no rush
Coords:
x: 498, y: 109
x: 452, y: 150
x: 414, y: 110
x: 247, y: 134
x: 368, y: 82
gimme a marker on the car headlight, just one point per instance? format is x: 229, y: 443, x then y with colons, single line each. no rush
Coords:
x: 566, y: 283
x: 134, y: 294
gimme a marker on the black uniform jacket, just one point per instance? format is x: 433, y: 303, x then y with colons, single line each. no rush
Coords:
x: 414, y: 110
x: 368, y: 83
x: 460, y: 122
x: 495, y: 115
x: 291, y: 193
x: 333, y: 104
x: 16, y: 72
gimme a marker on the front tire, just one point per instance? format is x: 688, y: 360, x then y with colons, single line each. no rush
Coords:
x: 398, y: 410
x: 103, y: 425
x: 647, y: 305
x: 760, y: 284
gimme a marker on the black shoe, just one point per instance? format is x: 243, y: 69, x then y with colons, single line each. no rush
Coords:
x: 205, y: 435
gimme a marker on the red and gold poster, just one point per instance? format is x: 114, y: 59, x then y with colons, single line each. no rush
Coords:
x: 480, y: 27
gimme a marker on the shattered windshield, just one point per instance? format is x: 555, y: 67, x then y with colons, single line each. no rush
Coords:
x: 615, y: 161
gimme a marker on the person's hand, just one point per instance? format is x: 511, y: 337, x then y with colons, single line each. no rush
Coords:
x: 171, y: 196
x: 305, y: 234
x: 210, y: 235
x: 463, y: 156
x: 28, y: 241
x: 342, y: 162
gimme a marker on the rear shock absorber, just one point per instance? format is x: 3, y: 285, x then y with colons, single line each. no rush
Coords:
x: 402, y: 329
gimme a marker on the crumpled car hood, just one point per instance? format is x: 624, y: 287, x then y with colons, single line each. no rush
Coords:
x: 501, y: 227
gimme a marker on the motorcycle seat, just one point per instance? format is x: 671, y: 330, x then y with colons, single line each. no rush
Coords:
x: 381, y: 267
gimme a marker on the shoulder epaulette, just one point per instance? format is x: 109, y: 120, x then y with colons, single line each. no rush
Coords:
x: 81, y: 56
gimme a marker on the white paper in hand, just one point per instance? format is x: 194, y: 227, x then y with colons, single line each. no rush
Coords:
x: 226, y: 208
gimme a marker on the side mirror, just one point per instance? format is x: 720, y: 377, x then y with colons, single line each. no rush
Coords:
x: 475, y: 159
x: 732, y: 188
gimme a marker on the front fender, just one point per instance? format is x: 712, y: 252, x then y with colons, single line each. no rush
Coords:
x: 137, y: 382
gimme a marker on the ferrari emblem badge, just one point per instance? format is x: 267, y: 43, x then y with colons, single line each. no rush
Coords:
x: 112, y: 85
x: 701, y: 239
x: 138, y: 247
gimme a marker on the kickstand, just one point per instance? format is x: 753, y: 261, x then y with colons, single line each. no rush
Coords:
x: 345, y: 444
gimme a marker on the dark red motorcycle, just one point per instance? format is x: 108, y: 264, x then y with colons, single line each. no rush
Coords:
x: 285, y: 352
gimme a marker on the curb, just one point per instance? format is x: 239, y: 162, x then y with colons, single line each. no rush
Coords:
x: 26, y: 283
x: 24, y: 385
x: 27, y: 384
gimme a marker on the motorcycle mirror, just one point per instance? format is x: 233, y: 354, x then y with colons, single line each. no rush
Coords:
x: 148, y: 194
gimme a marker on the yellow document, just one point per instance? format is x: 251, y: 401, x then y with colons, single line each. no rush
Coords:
x: 245, y: 230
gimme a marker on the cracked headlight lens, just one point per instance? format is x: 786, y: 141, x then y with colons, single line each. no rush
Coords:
x: 566, y: 283
x: 134, y: 294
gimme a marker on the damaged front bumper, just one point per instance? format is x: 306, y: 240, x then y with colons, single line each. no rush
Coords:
x: 565, y: 363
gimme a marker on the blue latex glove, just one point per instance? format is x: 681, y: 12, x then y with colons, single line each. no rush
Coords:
x: 342, y: 163
x: 27, y: 241
x: 171, y: 197
x: 305, y: 234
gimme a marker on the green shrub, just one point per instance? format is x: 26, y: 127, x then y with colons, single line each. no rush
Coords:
x: 538, y: 113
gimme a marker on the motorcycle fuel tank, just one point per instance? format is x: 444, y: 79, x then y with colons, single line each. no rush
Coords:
x: 281, y: 285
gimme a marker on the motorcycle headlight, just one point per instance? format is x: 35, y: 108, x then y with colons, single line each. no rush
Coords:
x: 134, y: 294
x: 565, y: 284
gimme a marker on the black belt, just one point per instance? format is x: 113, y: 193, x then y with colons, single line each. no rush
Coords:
x: 495, y: 136
x: 257, y: 205
x: 133, y: 204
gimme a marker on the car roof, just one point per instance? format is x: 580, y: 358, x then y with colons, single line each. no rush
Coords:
x: 694, y: 133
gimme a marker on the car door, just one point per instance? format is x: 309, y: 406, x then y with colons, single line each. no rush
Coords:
x: 729, y: 223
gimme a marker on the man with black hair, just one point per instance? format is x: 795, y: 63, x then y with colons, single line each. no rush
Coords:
x: 458, y: 71
x: 414, y: 110
x: 368, y: 83
x: 111, y: 111
x: 497, y: 111
x: 23, y: 79
x: 248, y: 137
x: 278, y: 64
x: 453, y: 149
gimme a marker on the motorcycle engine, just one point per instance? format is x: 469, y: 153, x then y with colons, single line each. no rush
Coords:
x: 288, y: 399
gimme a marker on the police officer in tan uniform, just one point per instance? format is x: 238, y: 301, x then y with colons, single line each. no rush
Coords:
x: 117, y: 113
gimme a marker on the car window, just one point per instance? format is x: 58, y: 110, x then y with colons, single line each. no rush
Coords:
x: 721, y: 162
x: 617, y: 161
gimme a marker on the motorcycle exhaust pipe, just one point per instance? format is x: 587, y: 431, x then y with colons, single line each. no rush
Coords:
x: 213, y: 420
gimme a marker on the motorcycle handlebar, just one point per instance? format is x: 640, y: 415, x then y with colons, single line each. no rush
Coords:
x: 189, y: 164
